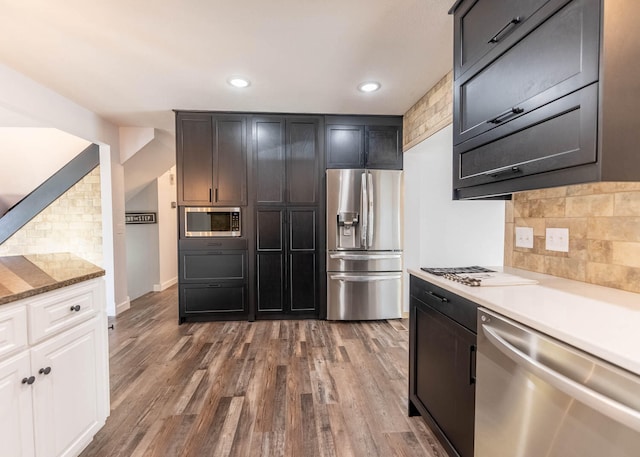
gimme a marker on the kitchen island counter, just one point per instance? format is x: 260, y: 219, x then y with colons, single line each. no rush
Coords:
x: 596, y: 319
x: 29, y: 275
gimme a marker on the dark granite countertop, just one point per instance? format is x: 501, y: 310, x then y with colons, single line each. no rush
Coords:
x: 28, y: 275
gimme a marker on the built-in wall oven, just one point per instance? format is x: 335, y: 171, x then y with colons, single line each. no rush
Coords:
x: 211, y: 222
x: 537, y: 396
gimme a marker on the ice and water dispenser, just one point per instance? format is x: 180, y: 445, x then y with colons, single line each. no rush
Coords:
x: 348, y: 230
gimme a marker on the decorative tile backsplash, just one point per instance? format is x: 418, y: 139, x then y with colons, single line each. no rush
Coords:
x: 72, y: 223
x: 604, y: 232
x: 431, y: 113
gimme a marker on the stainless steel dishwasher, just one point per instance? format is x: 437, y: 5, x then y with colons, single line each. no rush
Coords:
x: 539, y: 397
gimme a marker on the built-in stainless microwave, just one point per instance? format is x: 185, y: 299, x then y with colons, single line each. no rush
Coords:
x: 208, y: 222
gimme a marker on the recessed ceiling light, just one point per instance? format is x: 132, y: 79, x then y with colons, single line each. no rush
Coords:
x: 239, y: 82
x: 369, y: 86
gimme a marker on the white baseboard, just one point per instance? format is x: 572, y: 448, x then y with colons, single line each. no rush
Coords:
x: 125, y: 305
x: 165, y: 285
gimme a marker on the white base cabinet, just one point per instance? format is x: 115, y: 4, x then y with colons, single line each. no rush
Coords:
x: 54, y: 394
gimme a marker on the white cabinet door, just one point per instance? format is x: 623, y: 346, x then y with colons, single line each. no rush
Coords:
x: 16, y: 416
x: 68, y: 399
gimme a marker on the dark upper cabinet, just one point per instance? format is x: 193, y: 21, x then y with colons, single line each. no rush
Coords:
x: 550, y: 102
x: 211, y: 159
x: 556, y: 58
x: 287, y: 155
x: 482, y: 26
x: 194, y: 135
x: 364, y: 142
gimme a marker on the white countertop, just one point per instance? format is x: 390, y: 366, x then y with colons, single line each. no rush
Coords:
x: 602, y: 321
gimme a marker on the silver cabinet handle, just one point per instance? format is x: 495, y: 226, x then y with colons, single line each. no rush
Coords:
x: 614, y: 410
x: 363, y: 278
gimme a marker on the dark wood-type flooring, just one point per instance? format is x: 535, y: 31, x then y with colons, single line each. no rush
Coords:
x: 269, y: 388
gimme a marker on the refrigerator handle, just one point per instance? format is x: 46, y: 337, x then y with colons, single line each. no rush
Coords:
x: 364, y: 209
x: 371, y: 215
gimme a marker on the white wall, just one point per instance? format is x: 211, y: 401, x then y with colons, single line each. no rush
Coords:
x: 152, y: 259
x: 29, y: 99
x: 440, y: 232
x: 142, y: 242
x: 168, y: 231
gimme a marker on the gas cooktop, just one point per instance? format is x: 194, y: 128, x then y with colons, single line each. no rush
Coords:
x: 456, y: 270
x: 476, y: 276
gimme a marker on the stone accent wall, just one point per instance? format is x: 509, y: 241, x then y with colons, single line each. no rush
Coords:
x: 430, y: 114
x: 72, y: 223
x: 604, y: 232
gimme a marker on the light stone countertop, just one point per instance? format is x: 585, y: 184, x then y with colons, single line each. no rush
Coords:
x: 599, y: 320
x: 29, y: 275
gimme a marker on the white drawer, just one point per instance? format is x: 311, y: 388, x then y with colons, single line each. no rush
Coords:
x: 53, y: 312
x: 13, y: 329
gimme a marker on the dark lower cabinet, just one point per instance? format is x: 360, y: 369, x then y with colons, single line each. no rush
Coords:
x: 287, y: 262
x: 442, y: 364
x: 213, y: 284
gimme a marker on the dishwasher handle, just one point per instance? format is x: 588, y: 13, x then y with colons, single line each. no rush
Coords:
x: 614, y: 410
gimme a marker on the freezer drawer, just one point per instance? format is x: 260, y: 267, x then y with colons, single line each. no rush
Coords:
x: 364, y: 296
x: 364, y: 261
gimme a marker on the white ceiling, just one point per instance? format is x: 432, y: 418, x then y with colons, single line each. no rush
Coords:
x: 133, y: 61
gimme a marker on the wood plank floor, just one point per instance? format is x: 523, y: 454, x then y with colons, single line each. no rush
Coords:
x: 268, y: 388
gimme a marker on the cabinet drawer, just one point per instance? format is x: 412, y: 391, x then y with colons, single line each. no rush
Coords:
x: 219, y: 266
x: 559, y: 135
x: 212, y: 244
x: 13, y: 329
x: 213, y: 298
x: 484, y: 25
x: 555, y: 59
x: 62, y: 309
x: 461, y: 310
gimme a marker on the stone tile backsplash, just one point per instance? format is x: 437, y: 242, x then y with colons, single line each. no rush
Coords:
x: 72, y: 223
x: 604, y: 232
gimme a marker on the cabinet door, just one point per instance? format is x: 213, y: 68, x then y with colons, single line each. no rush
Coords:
x: 345, y: 146
x: 444, y: 366
x: 194, y: 159
x: 555, y: 59
x: 481, y: 26
x: 230, y: 163
x: 16, y: 416
x: 303, y: 259
x: 383, y: 147
x: 67, y: 399
x: 303, y: 157
x: 270, y: 256
x: 269, y: 160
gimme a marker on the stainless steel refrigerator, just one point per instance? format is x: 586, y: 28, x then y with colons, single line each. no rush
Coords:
x: 364, y: 244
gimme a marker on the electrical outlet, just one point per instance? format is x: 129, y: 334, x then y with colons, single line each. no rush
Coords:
x: 557, y: 239
x: 524, y: 237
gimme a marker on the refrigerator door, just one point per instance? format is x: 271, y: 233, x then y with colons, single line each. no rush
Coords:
x: 346, y: 216
x: 360, y: 296
x: 385, y: 215
x: 364, y: 261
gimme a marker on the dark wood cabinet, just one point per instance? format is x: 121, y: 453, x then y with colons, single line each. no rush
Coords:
x: 482, y: 26
x: 211, y: 158
x: 442, y: 349
x: 287, y: 261
x: 364, y: 142
x: 213, y: 284
x: 287, y: 166
x: 549, y: 102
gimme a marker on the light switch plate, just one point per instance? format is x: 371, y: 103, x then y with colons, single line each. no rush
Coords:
x: 557, y: 239
x: 524, y: 237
